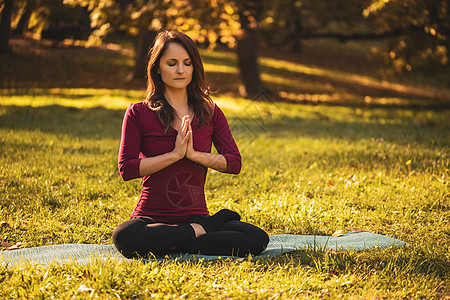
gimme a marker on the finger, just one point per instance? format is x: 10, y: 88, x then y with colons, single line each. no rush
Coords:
x: 185, y: 119
x: 189, y: 139
x: 188, y: 122
x: 184, y: 126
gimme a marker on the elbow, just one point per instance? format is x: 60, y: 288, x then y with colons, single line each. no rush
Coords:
x: 129, y: 169
x: 124, y: 174
x: 234, y: 164
x: 236, y: 171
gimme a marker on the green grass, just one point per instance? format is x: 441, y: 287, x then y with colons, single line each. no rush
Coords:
x: 308, y: 169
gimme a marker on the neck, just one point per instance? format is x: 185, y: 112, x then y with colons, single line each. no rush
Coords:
x: 177, y: 98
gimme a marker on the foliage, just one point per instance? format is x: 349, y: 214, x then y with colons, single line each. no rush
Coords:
x: 426, y: 26
x: 417, y: 32
x: 288, y: 22
x: 207, y: 22
x: 51, y: 12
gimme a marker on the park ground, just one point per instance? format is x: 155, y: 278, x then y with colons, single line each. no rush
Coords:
x: 342, y: 143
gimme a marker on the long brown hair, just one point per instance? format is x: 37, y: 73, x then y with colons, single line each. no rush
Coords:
x: 198, y: 90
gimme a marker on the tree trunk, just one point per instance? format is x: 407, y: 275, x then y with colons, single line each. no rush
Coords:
x: 144, y: 41
x: 247, y: 45
x: 296, y: 27
x: 5, y: 25
x: 22, y: 25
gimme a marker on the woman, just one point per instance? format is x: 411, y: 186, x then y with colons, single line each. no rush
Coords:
x: 167, y: 141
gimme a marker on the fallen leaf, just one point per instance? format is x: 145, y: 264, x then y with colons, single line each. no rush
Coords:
x: 354, y: 229
x: 330, y: 183
x: 408, y: 162
x: 332, y: 251
x: 337, y: 233
x: 4, y: 224
x: 14, y: 247
x: 8, y: 246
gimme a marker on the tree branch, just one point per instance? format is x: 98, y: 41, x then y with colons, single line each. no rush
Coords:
x: 361, y: 36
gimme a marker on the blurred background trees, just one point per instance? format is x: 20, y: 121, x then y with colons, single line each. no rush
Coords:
x: 416, y: 31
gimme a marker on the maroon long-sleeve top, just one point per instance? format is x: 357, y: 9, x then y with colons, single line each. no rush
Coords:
x: 177, y: 191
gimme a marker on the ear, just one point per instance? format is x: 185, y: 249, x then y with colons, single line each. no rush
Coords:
x: 158, y: 71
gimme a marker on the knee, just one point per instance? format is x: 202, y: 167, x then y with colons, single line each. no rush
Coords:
x: 124, y: 238
x: 119, y: 236
x: 255, y: 243
x: 121, y: 241
x: 260, y: 240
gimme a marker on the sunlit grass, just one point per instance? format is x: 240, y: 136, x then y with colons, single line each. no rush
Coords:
x: 307, y: 170
x: 331, y: 74
x: 78, y: 98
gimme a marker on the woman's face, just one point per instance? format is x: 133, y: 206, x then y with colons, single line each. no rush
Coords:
x: 175, y: 67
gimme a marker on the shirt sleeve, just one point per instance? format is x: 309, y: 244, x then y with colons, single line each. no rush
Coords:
x: 224, y: 142
x: 130, y: 144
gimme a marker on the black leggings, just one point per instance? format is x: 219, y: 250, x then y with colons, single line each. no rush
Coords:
x: 134, y: 238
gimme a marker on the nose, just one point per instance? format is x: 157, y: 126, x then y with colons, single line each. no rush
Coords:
x: 180, y: 69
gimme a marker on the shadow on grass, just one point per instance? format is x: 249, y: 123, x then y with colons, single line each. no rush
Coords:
x: 31, y: 65
x: 301, y: 88
x: 75, y: 93
x: 89, y: 123
x: 101, y: 122
x: 350, y: 82
x: 318, y: 126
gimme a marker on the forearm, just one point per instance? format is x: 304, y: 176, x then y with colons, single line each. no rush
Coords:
x: 210, y: 160
x: 150, y: 165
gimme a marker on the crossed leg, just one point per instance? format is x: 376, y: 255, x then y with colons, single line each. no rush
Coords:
x: 141, y: 236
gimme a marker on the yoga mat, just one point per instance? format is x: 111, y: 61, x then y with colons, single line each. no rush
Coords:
x: 278, y: 244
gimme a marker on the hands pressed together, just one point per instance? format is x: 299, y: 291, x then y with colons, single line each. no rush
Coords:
x: 184, y: 141
x: 183, y: 148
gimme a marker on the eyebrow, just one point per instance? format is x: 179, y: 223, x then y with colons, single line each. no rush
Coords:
x: 177, y: 59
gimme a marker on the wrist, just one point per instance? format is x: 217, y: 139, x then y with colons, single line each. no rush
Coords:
x: 192, y: 155
x: 176, y: 155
